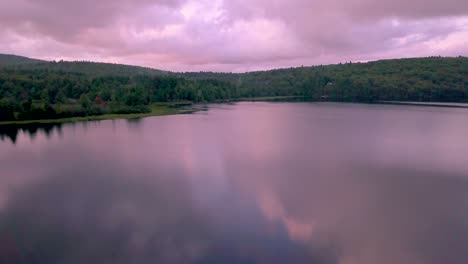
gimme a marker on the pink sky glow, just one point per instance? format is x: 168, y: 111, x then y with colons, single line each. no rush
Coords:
x: 232, y: 35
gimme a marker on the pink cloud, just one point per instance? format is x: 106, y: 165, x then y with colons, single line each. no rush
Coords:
x: 238, y: 35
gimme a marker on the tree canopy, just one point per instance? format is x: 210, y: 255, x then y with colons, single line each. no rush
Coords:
x: 36, y: 89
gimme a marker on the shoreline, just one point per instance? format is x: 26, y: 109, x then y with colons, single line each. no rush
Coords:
x: 157, y: 109
x: 175, y: 108
x: 432, y: 104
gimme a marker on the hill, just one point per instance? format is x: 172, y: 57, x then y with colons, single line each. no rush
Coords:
x: 433, y: 79
x: 11, y: 60
x: 87, y: 68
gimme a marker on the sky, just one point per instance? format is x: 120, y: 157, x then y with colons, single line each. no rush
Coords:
x: 232, y: 35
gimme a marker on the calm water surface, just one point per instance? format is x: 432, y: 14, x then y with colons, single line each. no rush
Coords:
x: 243, y: 183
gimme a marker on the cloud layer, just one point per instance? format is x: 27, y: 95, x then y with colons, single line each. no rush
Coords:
x: 234, y: 35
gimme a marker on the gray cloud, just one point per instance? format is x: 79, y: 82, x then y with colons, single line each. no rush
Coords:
x: 64, y: 20
x: 357, y: 9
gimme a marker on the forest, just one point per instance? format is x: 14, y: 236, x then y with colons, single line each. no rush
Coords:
x: 32, y: 89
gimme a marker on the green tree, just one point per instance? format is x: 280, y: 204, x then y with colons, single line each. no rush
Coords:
x: 26, y: 105
x: 61, y: 98
x: 85, y: 102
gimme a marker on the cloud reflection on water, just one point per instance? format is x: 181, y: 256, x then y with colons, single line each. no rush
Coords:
x: 251, y: 183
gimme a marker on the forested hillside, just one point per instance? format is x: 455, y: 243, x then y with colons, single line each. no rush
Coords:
x: 432, y: 79
x: 92, y: 69
x: 10, y: 60
x: 68, y: 89
x: 41, y: 94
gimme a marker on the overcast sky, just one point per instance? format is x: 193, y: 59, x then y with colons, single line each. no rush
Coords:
x: 232, y: 35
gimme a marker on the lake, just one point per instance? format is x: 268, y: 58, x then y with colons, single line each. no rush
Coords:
x: 240, y: 183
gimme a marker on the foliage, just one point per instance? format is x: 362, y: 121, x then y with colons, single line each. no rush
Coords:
x: 433, y: 79
x: 44, y: 94
x: 50, y: 90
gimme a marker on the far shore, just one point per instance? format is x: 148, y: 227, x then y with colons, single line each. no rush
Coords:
x: 434, y: 104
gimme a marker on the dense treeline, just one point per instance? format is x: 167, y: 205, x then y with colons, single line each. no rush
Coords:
x: 45, y: 94
x: 67, y: 89
x: 432, y: 79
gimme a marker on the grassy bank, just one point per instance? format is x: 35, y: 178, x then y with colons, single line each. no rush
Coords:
x: 157, y: 109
